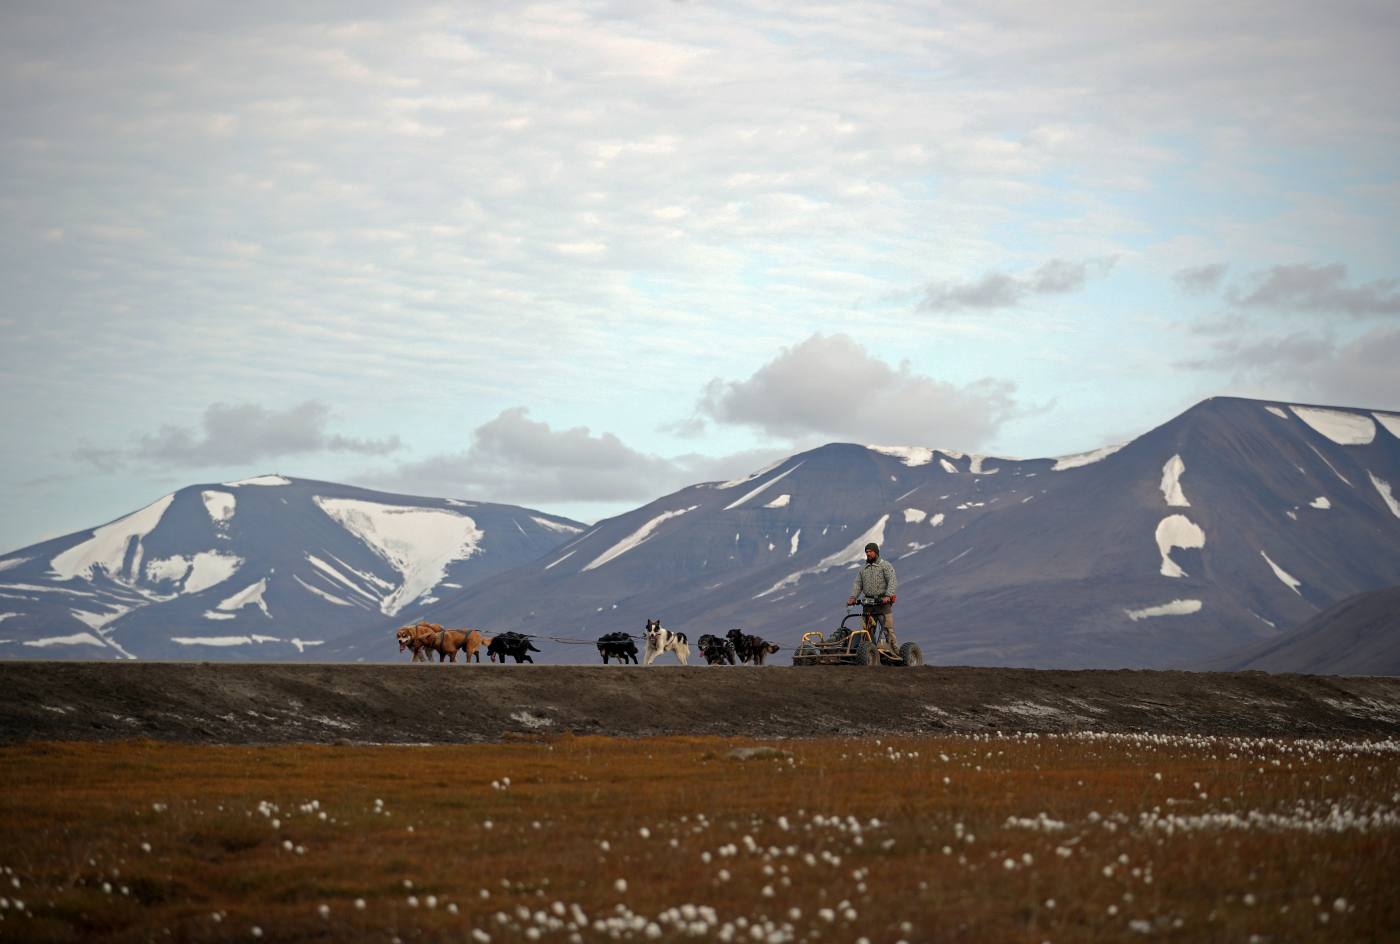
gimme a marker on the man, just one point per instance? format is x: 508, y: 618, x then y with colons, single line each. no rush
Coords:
x: 876, y: 582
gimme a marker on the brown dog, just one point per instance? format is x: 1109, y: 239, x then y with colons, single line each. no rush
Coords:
x: 422, y: 637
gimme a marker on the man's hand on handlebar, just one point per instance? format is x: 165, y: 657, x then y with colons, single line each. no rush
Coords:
x: 851, y: 601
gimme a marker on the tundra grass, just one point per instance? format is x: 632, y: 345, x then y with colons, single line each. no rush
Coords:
x: 987, y: 838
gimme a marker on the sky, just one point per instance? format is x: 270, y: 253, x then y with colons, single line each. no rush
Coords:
x: 576, y: 256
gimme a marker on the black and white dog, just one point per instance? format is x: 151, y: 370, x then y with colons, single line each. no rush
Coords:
x: 716, y: 649
x: 660, y: 639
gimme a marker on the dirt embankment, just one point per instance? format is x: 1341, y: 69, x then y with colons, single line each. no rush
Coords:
x: 247, y: 704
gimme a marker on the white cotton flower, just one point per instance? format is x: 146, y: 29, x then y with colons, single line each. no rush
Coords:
x: 620, y: 885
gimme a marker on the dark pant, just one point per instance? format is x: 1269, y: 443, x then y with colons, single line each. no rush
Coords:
x: 879, y: 613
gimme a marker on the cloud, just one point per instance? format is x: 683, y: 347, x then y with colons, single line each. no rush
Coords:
x: 516, y: 459
x: 832, y: 387
x: 1312, y: 368
x: 1000, y: 290
x: 1201, y: 280
x: 1318, y: 289
x: 236, y: 434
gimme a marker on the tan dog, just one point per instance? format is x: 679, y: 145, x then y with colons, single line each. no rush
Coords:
x: 416, y: 637
x: 422, y: 637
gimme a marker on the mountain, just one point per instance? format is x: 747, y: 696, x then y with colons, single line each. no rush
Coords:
x: 263, y: 569
x: 1227, y: 525
x: 1358, y: 636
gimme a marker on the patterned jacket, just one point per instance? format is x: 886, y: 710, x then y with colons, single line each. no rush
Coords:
x: 875, y: 579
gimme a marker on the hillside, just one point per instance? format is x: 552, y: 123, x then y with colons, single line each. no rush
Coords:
x: 1359, y: 636
x: 259, y: 704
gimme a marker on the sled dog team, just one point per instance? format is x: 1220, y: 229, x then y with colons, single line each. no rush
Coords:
x: 423, y: 638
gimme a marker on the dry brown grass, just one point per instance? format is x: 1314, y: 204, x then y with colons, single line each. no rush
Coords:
x: 942, y: 864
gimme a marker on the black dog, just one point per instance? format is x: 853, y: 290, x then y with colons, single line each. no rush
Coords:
x: 510, y: 644
x: 750, y: 648
x: 716, y: 650
x: 619, y: 646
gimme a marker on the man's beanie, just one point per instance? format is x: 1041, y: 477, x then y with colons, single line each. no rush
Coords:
x: 872, y: 546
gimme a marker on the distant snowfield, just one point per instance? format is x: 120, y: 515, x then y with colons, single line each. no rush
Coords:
x: 914, y: 516
x: 1177, y: 531
x: 1383, y: 487
x: 948, y: 466
x: 328, y: 597
x: 227, y: 641
x: 1171, y: 483
x: 1081, y: 459
x: 782, y: 501
x: 220, y: 506
x: 13, y: 562
x: 249, y: 596
x: 735, y: 483
x: 638, y: 537
x: 1390, y: 421
x: 855, y: 551
x: 1320, y: 502
x: 936, y: 520
x: 761, y: 489
x: 911, y: 456
x: 76, y: 639
x: 1344, y: 429
x: 1277, y: 412
x: 267, y: 480
x: 558, y: 526
x: 107, y: 548
x: 417, y: 542
x: 1288, y: 580
x: 206, y: 569
x: 1174, y: 608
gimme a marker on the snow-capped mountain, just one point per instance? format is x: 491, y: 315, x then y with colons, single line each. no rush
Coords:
x: 264, y: 568
x: 1229, y: 524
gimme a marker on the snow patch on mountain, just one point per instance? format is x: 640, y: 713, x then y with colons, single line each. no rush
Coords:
x: 1177, y: 531
x: 936, y: 520
x: 760, y: 490
x: 976, y: 467
x: 265, y: 480
x: 1291, y: 582
x: 220, y: 506
x: 1081, y: 459
x: 558, y: 526
x: 782, y: 501
x: 329, y: 598
x: 1329, y: 465
x: 249, y: 596
x: 640, y: 536
x: 1344, y: 429
x: 1320, y: 502
x: 110, y: 544
x: 76, y: 639
x: 792, y: 545
x: 855, y: 551
x: 735, y: 483
x: 96, y: 621
x: 911, y: 456
x: 1390, y: 421
x: 948, y: 466
x: 914, y: 515
x: 1174, y: 608
x: 13, y: 562
x: 562, y: 559
x: 337, y: 576
x: 1171, y: 483
x: 417, y: 542
x: 1277, y: 412
x: 206, y: 569
x: 1383, y: 487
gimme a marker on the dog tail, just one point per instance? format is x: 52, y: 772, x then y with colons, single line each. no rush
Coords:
x: 531, y: 646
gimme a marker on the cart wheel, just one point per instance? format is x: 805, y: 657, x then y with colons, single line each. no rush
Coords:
x: 864, y: 652
x: 806, y: 654
x: 911, y: 654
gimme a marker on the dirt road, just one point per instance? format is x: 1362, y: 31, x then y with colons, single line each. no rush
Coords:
x: 248, y: 704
